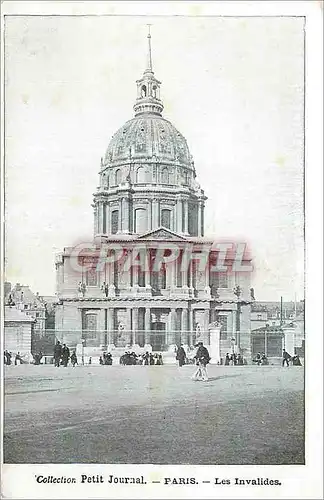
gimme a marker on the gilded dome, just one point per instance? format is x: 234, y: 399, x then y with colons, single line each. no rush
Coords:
x: 148, y: 136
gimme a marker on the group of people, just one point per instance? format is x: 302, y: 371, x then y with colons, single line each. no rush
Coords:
x: 148, y: 358
x: 286, y: 358
x: 234, y: 359
x: 260, y: 359
x: 7, y: 358
x: 62, y: 355
x: 106, y: 359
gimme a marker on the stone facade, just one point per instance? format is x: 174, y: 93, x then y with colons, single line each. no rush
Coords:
x: 148, y: 197
x: 18, y: 329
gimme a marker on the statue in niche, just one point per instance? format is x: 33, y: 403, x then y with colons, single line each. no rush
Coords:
x: 121, y: 329
x: 82, y: 288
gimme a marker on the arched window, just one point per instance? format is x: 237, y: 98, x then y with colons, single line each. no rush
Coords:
x: 117, y: 177
x: 165, y: 176
x: 143, y: 91
x: 105, y: 180
x: 140, y: 220
x: 166, y: 218
x: 154, y: 91
x: 140, y: 175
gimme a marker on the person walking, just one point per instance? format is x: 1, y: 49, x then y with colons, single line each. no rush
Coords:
x: 285, y: 357
x: 57, y: 353
x: 203, y: 358
x: 181, y: 355
x: 65, y: 355
x: 74, y: 359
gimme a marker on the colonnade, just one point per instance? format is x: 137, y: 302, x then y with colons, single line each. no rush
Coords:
x: 126, y: 206
x: 179, y: 323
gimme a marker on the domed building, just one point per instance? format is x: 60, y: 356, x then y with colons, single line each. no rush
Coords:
x: 148, y: 199
x: 148, y: 157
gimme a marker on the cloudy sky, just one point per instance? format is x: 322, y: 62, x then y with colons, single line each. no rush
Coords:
x: 232, y: 86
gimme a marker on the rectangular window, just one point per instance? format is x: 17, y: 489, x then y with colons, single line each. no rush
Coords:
x: 91, y: 276
x: 192, y: 220
x: 114, y: 221
x: 166, y: 218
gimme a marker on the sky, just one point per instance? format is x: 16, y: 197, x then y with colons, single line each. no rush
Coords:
x: 233, y: 86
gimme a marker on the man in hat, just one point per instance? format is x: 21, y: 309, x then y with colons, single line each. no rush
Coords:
x: 57, y: 353
x: 202, y: 359
x: 181, y: 355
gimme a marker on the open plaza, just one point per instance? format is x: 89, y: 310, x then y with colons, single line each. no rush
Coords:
x: 154, y: 414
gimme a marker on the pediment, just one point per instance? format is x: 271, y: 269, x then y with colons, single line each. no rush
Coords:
x: 162, y: 234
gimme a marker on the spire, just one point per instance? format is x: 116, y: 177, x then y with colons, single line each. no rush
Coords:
x: 149, y: 52
x: 148, y: 88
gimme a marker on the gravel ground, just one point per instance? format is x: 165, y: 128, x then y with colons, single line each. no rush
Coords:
x: 154, y: 414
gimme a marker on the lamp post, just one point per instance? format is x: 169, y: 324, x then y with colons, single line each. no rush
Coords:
x: 238, y: 291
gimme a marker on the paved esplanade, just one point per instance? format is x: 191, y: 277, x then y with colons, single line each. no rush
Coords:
x: 153, y: 414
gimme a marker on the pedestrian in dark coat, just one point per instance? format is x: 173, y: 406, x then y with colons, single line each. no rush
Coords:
x: 227, y: 359
x: 181, y: 355
x: 74, y: 359
x: 65, y: 355
x: 203, y: 358
x: 285, y: 357
x: 57, y: 353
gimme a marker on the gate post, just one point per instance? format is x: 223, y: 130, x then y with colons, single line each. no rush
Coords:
x: 214, y: 346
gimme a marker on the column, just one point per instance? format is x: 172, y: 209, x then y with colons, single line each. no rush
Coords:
x: 199, y: 219
x: 147, y: 322
x: 100, y: 217
x: 129, y: 326
x: 95, y: 214
x: 110, y: 327
x: 191, y: 327
x: 170, y: 275
x: 202, y: 220
x: 125, y: 211
x: 172, y: 325
x: 108, y: 218
x: 102, y: 330
x: 206, y: 324
x: 134, y: 324
x: 155, y: 214
x: 179, y: 215
x: 127, y: 274
x: 120, y: 216
x: 184, y: 326
x: 149, y: 215
x: 104, y: 218
x: 207, y: 283
x: 185, y: 208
